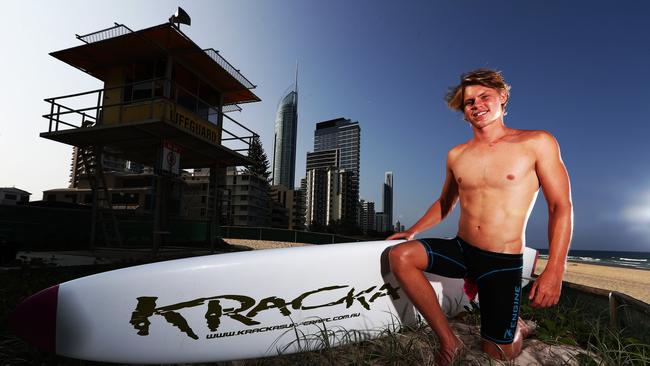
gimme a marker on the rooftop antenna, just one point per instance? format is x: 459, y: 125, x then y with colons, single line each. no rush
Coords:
x: 296, y: 89
x: 180, y: 17
x: 296, y: 76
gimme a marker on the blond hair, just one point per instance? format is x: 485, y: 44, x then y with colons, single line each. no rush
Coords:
x: 485, y: 77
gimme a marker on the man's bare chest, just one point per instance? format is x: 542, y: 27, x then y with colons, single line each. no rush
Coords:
x: 498, y: 167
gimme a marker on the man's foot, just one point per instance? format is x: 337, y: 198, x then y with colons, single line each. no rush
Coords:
x: 447, y: 355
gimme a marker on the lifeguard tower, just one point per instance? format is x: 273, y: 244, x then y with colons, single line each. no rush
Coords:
x: 164, y: 105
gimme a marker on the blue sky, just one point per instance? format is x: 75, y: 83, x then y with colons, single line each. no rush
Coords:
x: 578, y: 69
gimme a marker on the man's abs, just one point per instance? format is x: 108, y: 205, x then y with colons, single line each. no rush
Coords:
x: 502, y: 237
x: 495, y: 220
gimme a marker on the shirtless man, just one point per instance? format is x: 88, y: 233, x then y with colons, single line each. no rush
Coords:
x: 496, y: 177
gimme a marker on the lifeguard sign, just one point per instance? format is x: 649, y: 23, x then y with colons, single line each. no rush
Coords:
x: 171, y: 158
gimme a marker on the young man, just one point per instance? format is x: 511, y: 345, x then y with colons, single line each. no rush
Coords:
x: 496, y: 177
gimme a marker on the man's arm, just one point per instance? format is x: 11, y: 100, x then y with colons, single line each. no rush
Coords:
x: 554, y: 180
x: 438, y: 210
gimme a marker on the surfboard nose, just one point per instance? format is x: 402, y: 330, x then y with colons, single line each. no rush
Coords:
x: 34, y: 319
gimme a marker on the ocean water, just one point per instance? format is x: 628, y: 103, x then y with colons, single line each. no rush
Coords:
x: 640, y: 260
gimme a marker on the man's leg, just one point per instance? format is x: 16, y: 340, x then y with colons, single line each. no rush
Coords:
x: 498, y: 276
x: 407, y: 262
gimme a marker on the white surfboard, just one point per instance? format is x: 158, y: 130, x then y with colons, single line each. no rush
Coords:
x: 229, y: 306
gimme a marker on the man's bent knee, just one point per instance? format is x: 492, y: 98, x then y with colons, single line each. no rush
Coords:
x: 405, y: 256
x: 398, y: 258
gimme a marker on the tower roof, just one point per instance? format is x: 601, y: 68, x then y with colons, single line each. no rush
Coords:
x: 120, y: 45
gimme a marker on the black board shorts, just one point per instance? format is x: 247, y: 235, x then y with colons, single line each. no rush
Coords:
x: 498, y: 276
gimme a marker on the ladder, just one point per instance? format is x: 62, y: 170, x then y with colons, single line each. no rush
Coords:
x: 102, y: 211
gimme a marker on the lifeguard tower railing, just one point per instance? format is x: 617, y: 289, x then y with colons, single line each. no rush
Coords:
x: 120, y: 30
x: 146, y: 100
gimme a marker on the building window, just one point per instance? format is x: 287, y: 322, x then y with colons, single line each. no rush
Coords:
x: 140, y: 83
x: 11, y: 196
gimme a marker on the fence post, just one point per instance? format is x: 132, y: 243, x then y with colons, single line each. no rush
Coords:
x: 99, y: 105
x: 51, y: 114
x: 613, y: 309
x: 58, y: 115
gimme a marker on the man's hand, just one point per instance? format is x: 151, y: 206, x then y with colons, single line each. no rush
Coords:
x: 546, y: 290
x: 403, y: 235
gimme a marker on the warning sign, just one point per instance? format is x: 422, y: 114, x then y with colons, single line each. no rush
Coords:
x: 171, y: 159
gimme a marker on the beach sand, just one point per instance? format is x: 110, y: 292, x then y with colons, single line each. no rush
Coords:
x: 630, y: 281
x: 262, y: 244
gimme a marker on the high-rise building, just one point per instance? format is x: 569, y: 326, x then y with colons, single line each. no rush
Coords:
x: 323, y: 159
x: 196, y: 202
x: 343, y: 135
x: 303, y: 194
x: 110, y: 163
x: 249, y: 199
x: 293, y: 201
x: 329, y: 196
x: 344, y: 195
x: 316, y: 198
x: 331, y: 192
x: 387, y: 198
x: 381, y: 223
x: 284, y: 144
x: 366, y: 216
